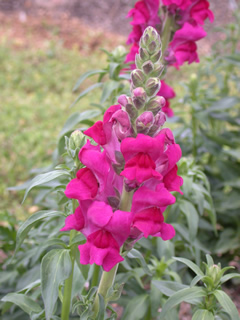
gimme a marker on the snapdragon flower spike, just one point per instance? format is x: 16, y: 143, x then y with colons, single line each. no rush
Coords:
x: 187, y: 20
x: 133, y: 154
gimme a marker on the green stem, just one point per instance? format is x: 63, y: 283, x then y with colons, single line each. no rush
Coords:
x: 166, y: 35
x: 67, y: 295
x: 107, y: 279
x: 95, y: 276
x: 194, y: 134
x: 106, y: 283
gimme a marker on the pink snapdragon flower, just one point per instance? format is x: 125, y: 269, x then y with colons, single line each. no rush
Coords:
x: 183, y: 47
x: 148, y: 157
x: 177, y: 4
x: 115, y: 126
x: 144, y: 13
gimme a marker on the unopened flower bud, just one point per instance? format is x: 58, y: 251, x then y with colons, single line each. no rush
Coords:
x: 155, y: 104
x: 159, y: 121
x: 156, y: 56
x: 158, y: 69
x: 122, y: 125
x: 148, y: 67
x: 152, y: 86
x: 144, y: 122
x: 152, y: 47
x: 138, y: 61
x: 124, y: 100
x: 131, y: 110
x: 119, y: 52
x: 144, y: 55
x: 139, y: 97
x: 215, y: 273
x: 77, y: 140
x: 137, y: 77
x: 149, y: 35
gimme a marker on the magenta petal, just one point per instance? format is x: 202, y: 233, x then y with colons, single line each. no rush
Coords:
x: 83, y: 187
x: 148, y: 221
x: 172, y: 181
x: 74, y: 221
x: 145, y: 198
x: 119, y: 226
x: 110, y: 112
x: 99, y: 213
x: 102, y: 249
x: 167, y: 231
x: 140, y: 168
x: 97, y: 133
x: 142, y: 144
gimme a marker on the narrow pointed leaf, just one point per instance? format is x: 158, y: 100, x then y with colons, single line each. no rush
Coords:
x: 190, y: 295
x: 31, y: 222
x: 27, y: 304
x: 227, y: 304
x: 203, y: 315
x: 76, y: 118
x: 85, y: 76
x: 55, y: 268
x: 44, y: 178
x: 169, y: 287
x: 83, y: 93
x: 191, y: 265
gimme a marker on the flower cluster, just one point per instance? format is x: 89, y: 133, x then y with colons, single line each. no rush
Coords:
x: 183, y: 19
x: 125, y: 185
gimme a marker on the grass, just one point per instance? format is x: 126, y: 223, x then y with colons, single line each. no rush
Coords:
x: 36, y: 92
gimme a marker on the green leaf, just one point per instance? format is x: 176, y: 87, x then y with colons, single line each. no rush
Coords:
x: 210, y: 261
x: 135, y: 254
x: 227, y: 304
x: 44, y: 178
x: 76, y: 118
x: 56, y: 267
x: 31, y: 222
x: 191, y: 265
x: 27, y: 304
x: 223, y: 104
x: 229, y: 276
x: 136, y: 308
x: 85, y: 76
x: 190, y: 295
x: 169, y: 287
x: 188, y: 209
x: 83, y: 93
x: 101, y: 311
x: 108, y: 88
x: 203, y: 315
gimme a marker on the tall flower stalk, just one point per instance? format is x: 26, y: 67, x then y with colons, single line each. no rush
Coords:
x: 128, y: 177
x: 180, y: 25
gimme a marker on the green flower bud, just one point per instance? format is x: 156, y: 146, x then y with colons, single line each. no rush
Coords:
x: 144, y: 55
x: 158, y: 69
x: 138, y: 61
x: 149, y: 35
x: 77, y: 140
x: 156, y: 56
x: 215, y: 273
x: 119, y: 52
x: 155, y: 104
x: 139, y: 97
x: 152, y: 86
x: 138, y: 78
x: 131, y: 110
x: 148, y: 67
